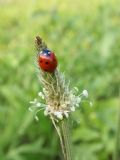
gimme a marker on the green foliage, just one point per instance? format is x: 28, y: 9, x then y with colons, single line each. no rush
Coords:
x: 85, y: 37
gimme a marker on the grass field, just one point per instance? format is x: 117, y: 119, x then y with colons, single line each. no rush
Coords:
x: 85, y: 36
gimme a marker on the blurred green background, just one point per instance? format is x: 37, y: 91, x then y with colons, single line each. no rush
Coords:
x: 85, y: 36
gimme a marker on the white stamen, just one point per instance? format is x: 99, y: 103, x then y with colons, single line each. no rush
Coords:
x: 34, y: 101
x: 31, y: 102
x: 41, y: 95
x: 58, y: 115
x: 76, y: 89
x: 85, y: 93
x: 45, y: 112
x: 66, y: 114
x: 44, y: 90
x: 38, y: 104
x: 72, y: 109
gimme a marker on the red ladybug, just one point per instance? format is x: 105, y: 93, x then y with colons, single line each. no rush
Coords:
x: 47, y: 60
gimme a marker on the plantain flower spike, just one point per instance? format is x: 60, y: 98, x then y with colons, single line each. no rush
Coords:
x: 57, y: 99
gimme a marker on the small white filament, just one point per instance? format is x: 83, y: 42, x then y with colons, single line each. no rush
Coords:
x: 85, y: 93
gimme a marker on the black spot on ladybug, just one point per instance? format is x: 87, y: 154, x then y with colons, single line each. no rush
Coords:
x: 40, y: 61
x: 47, y: 63
x: 45, y: 70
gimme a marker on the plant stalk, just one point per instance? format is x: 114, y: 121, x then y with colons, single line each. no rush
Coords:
x: 65, y: 133
x: 117, y: 147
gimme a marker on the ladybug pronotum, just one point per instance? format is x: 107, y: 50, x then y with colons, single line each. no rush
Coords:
x: 47, y: 60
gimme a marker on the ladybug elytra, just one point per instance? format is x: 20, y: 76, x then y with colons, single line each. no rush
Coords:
x: 47, y: 60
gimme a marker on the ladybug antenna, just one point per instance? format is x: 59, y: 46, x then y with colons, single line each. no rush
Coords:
x: 40, y: 44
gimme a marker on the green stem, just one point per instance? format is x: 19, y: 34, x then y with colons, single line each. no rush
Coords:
x: 117, y: 148
x: 65, y: 133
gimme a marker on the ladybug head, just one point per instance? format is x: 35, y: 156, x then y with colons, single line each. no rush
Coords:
x: 46, y: 52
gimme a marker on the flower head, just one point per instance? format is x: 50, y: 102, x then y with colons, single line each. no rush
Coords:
x: 57, y: 99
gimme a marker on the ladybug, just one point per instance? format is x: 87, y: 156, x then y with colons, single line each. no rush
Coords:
x: 47, y: 60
